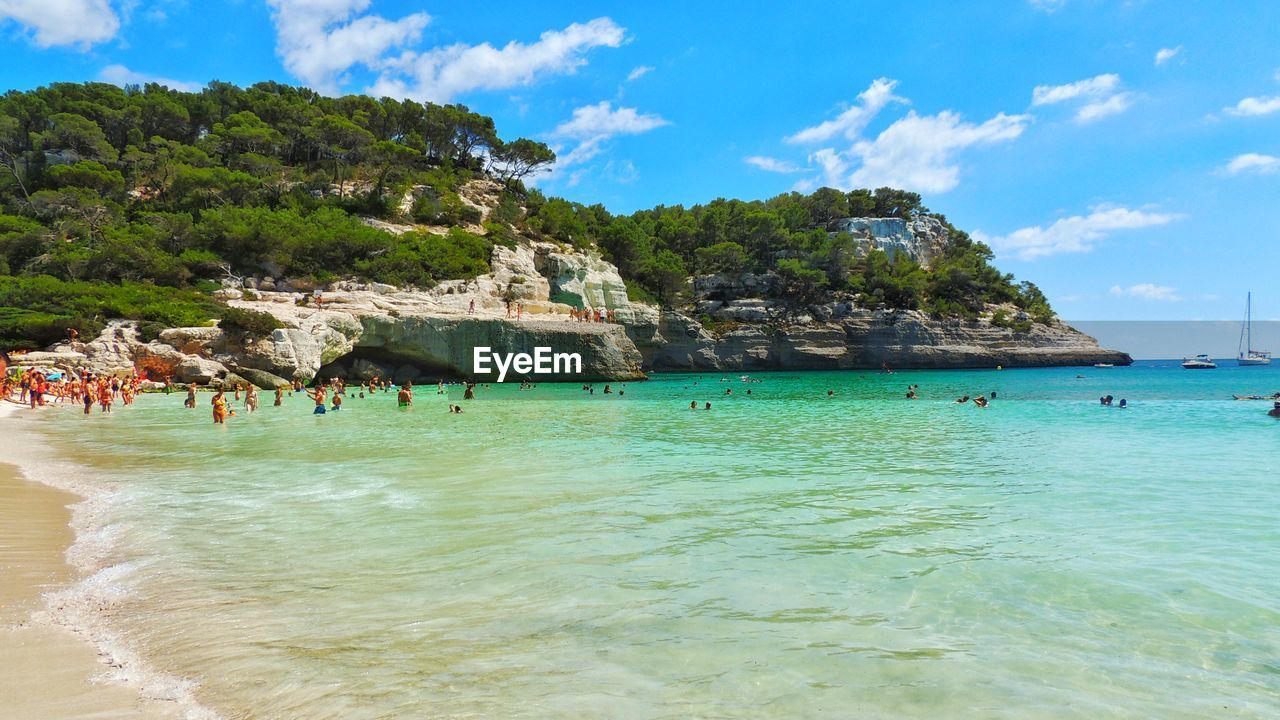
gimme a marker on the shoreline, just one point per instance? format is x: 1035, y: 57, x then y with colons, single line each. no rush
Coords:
x: 61, y: 658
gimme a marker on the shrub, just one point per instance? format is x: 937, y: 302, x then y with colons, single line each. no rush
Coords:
x: 248, y: 323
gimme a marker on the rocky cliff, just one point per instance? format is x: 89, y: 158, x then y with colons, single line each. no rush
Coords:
x: 921, y: 239
x: 853, y: 338
x: 526, y: 301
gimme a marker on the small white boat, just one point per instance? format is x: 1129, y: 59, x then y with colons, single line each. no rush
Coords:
x: 1103, y: 365
x: 1248, y: 356
x: 1199, y: 362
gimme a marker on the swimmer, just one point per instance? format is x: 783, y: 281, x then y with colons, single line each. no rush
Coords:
x: 693, y: 405
x: 219, y: 404
x: 708, y: 407
x: 980, y: 401
x: 1274, y: 411
x: 831, y: 393
x: 190, y: 402
x: 319, y: 397
x: 470, y: 392
x: 279, y: 396
x: 404, y: 398
x: 337, y: 402
x: 963, y: 400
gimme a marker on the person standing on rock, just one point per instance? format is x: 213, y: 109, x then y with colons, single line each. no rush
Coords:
x: 471, y: 309
x: 519, y: 311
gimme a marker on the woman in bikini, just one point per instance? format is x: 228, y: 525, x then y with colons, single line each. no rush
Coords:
x: 250, y: 398
x: 219, y: 403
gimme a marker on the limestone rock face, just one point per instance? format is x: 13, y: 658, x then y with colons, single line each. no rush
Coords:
x: 859, y: 339
x: 585, y: 280
x: 921, y: 239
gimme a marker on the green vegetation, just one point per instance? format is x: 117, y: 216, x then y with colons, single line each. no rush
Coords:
x: 138, y: 202
x: 656, y: 249
x: 110, y: 193
x: 37, y: 311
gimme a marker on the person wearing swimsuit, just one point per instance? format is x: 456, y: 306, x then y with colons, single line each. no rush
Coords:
x: 279, y: 396
x: 219, y: 407
x: 318, y: 396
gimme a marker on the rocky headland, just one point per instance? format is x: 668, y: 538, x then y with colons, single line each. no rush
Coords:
x: 361, y: 330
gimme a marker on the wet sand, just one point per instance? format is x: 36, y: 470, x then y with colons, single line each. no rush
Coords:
x: 46, y: 671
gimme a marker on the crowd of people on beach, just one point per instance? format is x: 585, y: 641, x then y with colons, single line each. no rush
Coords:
x: 33, y: 388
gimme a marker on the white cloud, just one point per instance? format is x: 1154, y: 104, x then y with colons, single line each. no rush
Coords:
x: 593, y: 125
x: 1253, y: 162
x: 917, y: 152
x: 1101, y: 95
x: 1113, y: 105
x: 1254, y: 106
x: 1164, y: 55
x: 1148, y: 291
x: 63, y: 22
x: 834, y: 167
x: 638, y: 72
x: 1075, y: 234
x: 442, y: 73
x: 769, y: 164
x: 603, y: 120
x: 121, y: 75
x: 320, y: 40
x: 851, y: 122
x: 1094, y: 87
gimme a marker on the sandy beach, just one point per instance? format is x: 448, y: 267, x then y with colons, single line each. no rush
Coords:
x: 46, y: 670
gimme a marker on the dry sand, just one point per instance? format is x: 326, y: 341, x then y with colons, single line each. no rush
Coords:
x: 47, y: 672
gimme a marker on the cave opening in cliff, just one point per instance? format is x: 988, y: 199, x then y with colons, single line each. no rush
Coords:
x: 366, y: 363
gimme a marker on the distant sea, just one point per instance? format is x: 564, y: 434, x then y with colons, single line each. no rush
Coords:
x: 551, y: 553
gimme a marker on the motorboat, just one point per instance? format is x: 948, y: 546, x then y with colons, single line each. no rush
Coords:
x: 1199, y: 362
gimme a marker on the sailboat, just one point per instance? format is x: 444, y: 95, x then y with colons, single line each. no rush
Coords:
x: 1248, y: 356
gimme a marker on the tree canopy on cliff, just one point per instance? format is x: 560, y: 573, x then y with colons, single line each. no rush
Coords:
x: 146, y: 187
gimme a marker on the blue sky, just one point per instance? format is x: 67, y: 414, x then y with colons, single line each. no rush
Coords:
x: 1125, y: 156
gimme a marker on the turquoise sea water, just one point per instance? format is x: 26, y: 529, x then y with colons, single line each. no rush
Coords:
x: 554, y: 554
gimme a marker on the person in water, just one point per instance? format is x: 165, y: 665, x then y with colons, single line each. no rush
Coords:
x: 693, y: 405
x: 250, y: 398
x: 279, y: 396
x: 319, y: 397
x: 1124, y: 403
x: 404, y: 398
x: 337, y: 402
x: 470, y: 393
x: 980, y: 401
x: 191, y: 396
x: 1274, y: 411
x: 219, y: 403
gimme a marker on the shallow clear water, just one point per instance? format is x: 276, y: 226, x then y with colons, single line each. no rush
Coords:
x: 555, y: 554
